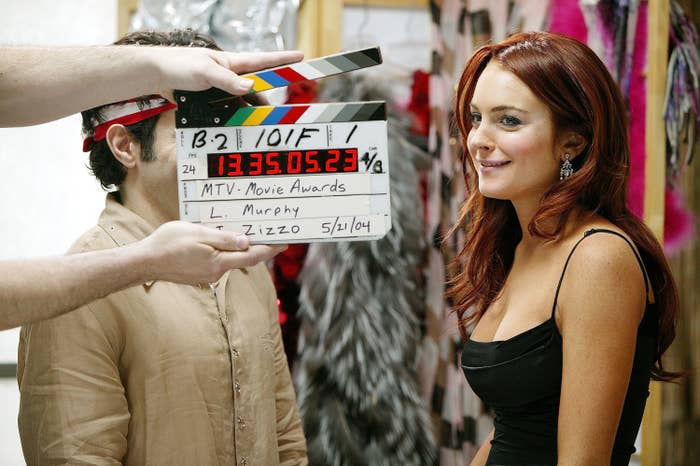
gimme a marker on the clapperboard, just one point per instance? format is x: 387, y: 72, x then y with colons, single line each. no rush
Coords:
x: 289, y: 173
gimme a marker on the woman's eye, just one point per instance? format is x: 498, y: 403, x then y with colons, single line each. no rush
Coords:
x: 510, y: 120
x: 476, y: 118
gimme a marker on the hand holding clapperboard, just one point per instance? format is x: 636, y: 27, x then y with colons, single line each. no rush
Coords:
x: 290, y: 173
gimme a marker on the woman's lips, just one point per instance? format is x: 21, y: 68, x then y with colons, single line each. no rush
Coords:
x: 493, y: 163
x: 486, y: 166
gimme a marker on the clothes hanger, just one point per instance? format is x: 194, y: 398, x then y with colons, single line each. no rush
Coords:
x: 361, y: 38
x: 408, y: 42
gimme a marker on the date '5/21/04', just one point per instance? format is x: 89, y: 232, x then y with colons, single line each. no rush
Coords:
x: 339, y: 226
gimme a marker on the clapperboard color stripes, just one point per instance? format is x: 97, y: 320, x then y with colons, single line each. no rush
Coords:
x: 316, y: 113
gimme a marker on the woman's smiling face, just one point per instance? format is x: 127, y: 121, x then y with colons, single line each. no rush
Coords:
x: 512, y: 139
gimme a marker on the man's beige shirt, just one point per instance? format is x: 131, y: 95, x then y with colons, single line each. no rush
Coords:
x: 161, y: 373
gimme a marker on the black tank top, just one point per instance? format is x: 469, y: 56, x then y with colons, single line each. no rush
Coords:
x: 520, y: 378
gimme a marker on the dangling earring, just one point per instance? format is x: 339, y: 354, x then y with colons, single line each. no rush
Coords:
x: 566, y: 169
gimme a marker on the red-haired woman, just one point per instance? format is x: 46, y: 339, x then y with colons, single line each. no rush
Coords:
x: 571, y: 296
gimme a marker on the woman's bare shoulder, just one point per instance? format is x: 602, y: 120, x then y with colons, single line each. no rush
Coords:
x: 604, y: 269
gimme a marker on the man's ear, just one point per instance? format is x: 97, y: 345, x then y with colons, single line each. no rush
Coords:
x: 572, y: 143
x: 123, y: 145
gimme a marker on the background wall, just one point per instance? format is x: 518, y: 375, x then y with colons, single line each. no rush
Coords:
x: 402, y: 33
x: 48, y: 196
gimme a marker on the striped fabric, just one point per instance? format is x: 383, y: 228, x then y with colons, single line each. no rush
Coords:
x: 314, y: 113
x: 314, y: 69
x: 460, y: 420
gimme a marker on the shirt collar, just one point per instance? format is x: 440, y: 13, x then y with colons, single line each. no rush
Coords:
x: 126, y: 227
x: 123, y: 225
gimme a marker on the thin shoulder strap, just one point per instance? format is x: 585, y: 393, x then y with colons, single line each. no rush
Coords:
x: 586, y: 235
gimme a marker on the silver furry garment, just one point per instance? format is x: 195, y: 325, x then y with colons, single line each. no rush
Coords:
x: 236, y: 25
x: 360, y: 304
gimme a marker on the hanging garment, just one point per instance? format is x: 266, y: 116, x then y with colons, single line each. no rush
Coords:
x: 236, y: 25
x: 361, y: 305
x: 455, y: 409
x: 617, y: 31
x: 682, y: 102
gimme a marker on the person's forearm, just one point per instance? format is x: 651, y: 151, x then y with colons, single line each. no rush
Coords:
x: 41, y: 84
x: 37, y: 289
x: 179, y: 252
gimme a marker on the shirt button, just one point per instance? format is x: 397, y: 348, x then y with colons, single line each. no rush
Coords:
x: 244, y: 461
x: 237, y: 387
x: 241, y: 423
x: 234, y: 351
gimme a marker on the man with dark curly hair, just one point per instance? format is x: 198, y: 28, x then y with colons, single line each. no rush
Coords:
x: 160, y: 373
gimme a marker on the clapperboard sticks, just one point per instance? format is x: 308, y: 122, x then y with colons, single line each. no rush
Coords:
x: 314, y: 69
x: 313, y: 113
x: 214, y: 107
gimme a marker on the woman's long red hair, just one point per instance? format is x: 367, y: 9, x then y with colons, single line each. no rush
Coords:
x: 581, y: 96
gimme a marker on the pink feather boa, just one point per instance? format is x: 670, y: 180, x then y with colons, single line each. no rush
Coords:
x: 566, y: 18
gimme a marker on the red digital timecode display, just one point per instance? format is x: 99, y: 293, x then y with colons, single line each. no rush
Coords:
x: 293, y: 162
